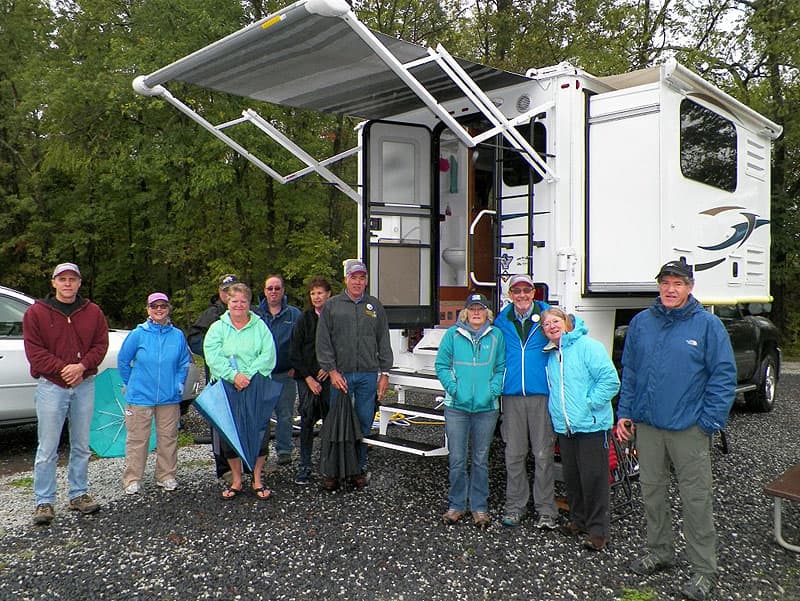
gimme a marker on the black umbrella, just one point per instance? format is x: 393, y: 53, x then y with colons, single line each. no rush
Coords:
x: 340, y: 439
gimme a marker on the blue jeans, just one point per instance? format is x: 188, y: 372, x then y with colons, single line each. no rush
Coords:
x: 462, y: 429
x: 284, y: 411
x: 363, y: 387
x: 53, y: 405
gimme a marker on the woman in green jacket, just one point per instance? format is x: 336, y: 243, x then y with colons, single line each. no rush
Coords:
x: 240, y: 351
x: 470, y: 365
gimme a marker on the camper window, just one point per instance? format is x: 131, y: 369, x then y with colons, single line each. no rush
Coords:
x: 516, y: 171
x: 708, y: 146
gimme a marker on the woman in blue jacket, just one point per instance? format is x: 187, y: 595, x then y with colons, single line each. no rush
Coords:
x: 470, y: 365
x: 582, y: 381
x: 153, y: 362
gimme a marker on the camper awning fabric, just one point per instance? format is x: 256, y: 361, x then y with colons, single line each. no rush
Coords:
x: 305, y: 60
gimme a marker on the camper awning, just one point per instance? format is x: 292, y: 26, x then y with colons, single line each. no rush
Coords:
x: 307, y: 56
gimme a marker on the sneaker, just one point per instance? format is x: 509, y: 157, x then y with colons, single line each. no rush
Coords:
x: 480, y: 519
x: 698, y: 588
x: 512, y: 520
x: 43, y: 514
x: 84, y: 504
x: 648, y: 564
x: 170, y: 484
x: 546, y: 522
x: 302, y: 478
x: 132, y: 488
x: 284, y: 458
x: 595, y: 543
x: 451, y: 516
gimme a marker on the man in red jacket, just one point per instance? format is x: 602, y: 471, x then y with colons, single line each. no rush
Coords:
x: 66, y: 338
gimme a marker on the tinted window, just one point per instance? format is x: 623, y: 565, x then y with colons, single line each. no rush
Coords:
x: 516, y: 171
x: 11, y: 312
x: 708, y: 146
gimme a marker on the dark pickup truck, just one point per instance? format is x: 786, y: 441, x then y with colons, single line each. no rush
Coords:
x: 756, y: 346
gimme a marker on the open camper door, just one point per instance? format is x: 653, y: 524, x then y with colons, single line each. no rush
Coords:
x: 399, y: 219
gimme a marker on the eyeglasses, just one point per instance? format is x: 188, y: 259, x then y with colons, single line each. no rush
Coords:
x: 159, y: 306
x: 273, y: 288
x: 521, y: 290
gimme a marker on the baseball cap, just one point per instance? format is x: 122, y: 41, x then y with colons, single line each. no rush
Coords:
x: 157, y: 296
x: 520, y: 279
x: 62, y: 267
x: 227, y: 280
x: 352, y: 266
x: 476, y: 299
x: 678, y: 268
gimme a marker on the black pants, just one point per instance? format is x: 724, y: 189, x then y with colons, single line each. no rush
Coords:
x: 584, y: 458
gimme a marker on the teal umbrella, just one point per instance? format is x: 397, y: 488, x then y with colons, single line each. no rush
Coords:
x: 108, y: 434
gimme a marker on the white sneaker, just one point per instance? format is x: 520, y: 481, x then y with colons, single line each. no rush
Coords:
x: 132, y: 488
x: 168, y: 485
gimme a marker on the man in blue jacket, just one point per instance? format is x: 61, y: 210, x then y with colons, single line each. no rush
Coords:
x: 280, y: 318
x: 678, y: 385
x: 526, y: 419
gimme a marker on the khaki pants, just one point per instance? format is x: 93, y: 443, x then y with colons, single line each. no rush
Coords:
x: 138, y: 420
x: 689, y: 451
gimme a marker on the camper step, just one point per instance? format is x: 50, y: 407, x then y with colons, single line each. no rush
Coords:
x: 407, y: 446
x: 413, y: 411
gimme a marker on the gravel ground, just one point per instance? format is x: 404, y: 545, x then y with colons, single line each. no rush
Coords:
x: 381, y: 543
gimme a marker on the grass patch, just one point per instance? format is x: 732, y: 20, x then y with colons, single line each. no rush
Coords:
x: 185, y: 439
x: 632, y: 594
x: 26, y: 482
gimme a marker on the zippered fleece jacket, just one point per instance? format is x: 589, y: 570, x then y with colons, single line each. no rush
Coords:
x: 583, y: 380
x: 471, y: 371
x: 304, y: 345
x: 251, y: 348
x: 54, y: 340
x: 153, y: 363
x: 678, y: 369
x: 525, y: 362
x: 353, y: 336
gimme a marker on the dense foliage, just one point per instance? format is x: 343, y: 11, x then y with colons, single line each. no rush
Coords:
x: 142, y: 199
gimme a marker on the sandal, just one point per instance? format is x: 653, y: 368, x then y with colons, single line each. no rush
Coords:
x: 263, y: 493
x: 229, y: 492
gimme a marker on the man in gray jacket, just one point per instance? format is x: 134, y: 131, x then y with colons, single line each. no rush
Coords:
x: 353, y: 347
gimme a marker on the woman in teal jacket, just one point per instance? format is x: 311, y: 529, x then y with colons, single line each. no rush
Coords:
x: 153, y: 362
x: 240, y: 351
x: 582, y: 381
x: 470, y: 365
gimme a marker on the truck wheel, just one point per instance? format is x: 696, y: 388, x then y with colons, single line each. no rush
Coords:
x: 762, y: 399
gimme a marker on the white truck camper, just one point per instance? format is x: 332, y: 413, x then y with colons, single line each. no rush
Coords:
x: 469, y: 175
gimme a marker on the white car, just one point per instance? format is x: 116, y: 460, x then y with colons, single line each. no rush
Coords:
x: 17, y: 385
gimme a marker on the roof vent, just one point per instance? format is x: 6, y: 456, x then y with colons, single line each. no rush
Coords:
x: 523, y: 103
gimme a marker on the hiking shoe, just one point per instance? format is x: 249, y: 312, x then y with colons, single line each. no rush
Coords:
x: 359, y: 482
x: 302, y: 478
x: 546, y: 522
x: 595, y: 543
x: 284, y: 458
x: 698, y: 588
x: 451, y: 516
x: 84, y: 504
x: 43, y: 514
x: 512, y: 520
x: 170, y: 484
x: 648, y: 564
x: 480, y: 519
x: 570, y: 529
x: 132, y: 488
